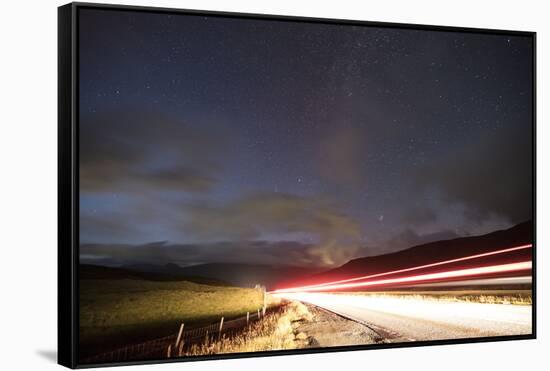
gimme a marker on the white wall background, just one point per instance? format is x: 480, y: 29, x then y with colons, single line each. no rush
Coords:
x: 28, y: 153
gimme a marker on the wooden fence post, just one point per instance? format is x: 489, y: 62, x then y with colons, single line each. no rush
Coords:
x: 221, y: 326
x: 180, y: 333
x: 168, y: 353
x: 265, y: 298
x: 265, y: 303
x: 180, y: 349
x: 247, y: 317
x: 179, y: 340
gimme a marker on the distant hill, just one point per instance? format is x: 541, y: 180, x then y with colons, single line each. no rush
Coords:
x: 248, y: 275
x: 243, y: 275
x: 89, y: 272
x: 433, y: 252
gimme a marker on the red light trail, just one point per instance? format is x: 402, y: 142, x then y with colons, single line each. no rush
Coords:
x: 512, y: 267
x: 449, y: 274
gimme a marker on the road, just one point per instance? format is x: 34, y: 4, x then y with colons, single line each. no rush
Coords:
x: 405, y: 319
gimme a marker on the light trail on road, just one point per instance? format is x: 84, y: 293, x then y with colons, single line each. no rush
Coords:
x: 459, y: 273
x: 517, y: 280
x: 470, y: 257
x: 399, y: 319
x: 402, y: 318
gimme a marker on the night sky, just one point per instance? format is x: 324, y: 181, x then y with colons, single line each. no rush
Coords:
x: 210, y: 139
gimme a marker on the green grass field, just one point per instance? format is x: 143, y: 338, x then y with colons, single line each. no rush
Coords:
x: 117, y: 312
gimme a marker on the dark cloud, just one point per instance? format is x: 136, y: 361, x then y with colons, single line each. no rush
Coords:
x: 275, y: 213
x: 159, y: 253
x: 250, y: 251
x: 109, y: 225
x: 491, y: 176
x: 131, y: 150
x: 410, y: 238
x: 332, y: 236
x: 261, y: 213
x: 419, y: 215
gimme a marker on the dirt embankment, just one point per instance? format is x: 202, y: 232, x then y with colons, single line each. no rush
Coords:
x: 298, y: 326
x: 321, y: 328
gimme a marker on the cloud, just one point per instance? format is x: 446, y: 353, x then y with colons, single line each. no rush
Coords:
x: 128, y: 150
x: 409, y: 238
x: 491, y: 176
x: 281, y: 253
x: 262, y: 213
x: 419, y: 215
x: 107, y: 225
x: 275, y: 214
x: 249, y: 225
x: 331, y: 253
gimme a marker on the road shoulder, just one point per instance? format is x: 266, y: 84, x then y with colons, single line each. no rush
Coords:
x: 322, y: 328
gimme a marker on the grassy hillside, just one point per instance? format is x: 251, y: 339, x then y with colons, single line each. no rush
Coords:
x: 117, y: 312
x: 237, y: 274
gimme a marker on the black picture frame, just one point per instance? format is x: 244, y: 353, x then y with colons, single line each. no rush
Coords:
x: 68, y: 181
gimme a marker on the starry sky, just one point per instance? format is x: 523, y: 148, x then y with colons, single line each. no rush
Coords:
x: 208, y: 138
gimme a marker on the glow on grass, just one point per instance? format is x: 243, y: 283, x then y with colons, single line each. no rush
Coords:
x: 470, y: 257
x: 459, y: 273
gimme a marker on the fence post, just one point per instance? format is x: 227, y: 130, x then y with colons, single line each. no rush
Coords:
x: 180, y: 333
x: 180, y: 349
x: 169, y: 351
x: 221, y: 326
x: 247, y: 317
x: 265, y: 301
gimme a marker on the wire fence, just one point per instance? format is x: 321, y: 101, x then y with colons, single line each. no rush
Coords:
x: 171, y: 345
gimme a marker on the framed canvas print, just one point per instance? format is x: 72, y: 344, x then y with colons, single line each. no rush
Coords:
x: 236, y: 185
